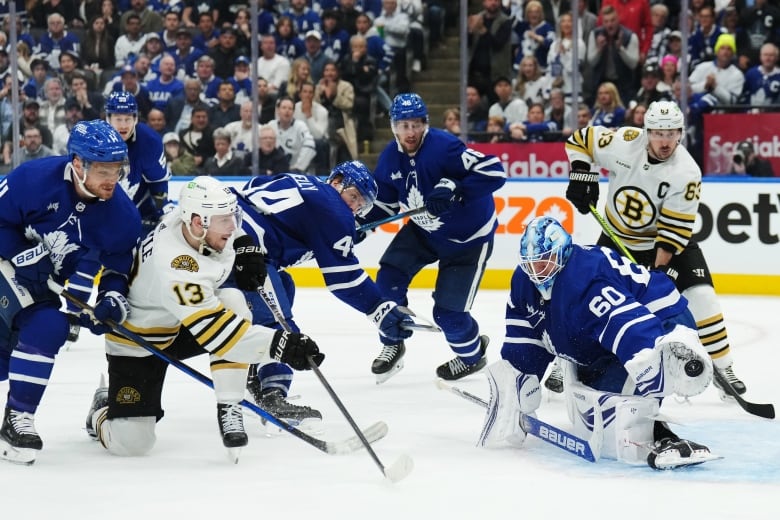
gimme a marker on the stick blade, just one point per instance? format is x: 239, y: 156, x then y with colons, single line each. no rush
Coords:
x: 400, y: 469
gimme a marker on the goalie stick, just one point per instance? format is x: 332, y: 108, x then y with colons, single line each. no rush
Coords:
x: 766, y: 411
x: 373, y: 433
x: 397, y: 471
x: 568, y: 442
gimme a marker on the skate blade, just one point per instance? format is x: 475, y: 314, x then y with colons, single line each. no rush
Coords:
x: 21, y: 456
x: 381, y: 378
x: 672, y: 463
x: 310, y: 425
x: 234, y: 453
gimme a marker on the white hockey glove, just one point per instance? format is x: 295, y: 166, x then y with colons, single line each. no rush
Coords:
x: 511, y: 393
x: 677, y: 364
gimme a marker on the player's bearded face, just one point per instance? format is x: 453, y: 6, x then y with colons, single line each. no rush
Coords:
x: 663, y: 143
x: 102, y: 178
x: 409, y: 133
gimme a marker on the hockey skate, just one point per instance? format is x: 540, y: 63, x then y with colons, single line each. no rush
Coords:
x: 389, y: 362
x: 675, y: 453
x: 99, y: 401
x: 554, y: 381
x: 275, y: 402
x: 457, y: 369
x: 733, y: 380
x: 231, y: 427
x: 19, y: 441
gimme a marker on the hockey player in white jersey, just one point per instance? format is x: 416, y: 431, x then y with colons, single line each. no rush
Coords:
x: 651, y: 205
x: 176, y: 304
x: 625, y: 335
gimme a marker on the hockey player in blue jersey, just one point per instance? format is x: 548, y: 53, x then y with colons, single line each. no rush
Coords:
x: 147, y: 181
x: 626, y: 334
x: 430, y: 168
x: 56, y: 218
x: 294, y: 218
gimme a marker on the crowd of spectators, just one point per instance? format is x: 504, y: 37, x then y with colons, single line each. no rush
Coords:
x: 324, y: 69
x: 629, y: 54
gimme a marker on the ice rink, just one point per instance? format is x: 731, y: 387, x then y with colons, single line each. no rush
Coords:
x: 188, y: 474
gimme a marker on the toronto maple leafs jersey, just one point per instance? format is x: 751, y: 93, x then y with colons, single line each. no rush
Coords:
x: 762, y: 88
x: 648, y: 202
x: 297, y: 217
x: 149, y: 172
x: 600, y: 303
x: 39, y: 204
x: 405, y: 181
x: 173, y: 286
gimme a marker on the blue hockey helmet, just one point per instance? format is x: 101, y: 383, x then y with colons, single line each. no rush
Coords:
x: 96, y: 141
x: 408, y: 106
x: 545, y: 247
x: 356, y: 174
x: 121, y: 103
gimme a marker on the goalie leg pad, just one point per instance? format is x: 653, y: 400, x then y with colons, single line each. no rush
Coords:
x: 511, y: 393
x: 627, y: 421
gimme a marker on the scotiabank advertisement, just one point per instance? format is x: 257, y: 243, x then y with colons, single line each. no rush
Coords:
x: 530, y: 161
x: 724, y: 131
x: 738, y: 228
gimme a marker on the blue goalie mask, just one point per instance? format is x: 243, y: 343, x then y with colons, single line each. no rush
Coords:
x: 356, y: 174
x: 545, y: 248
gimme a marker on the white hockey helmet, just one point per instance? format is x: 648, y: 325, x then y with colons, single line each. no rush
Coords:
x: 207, y: 197
x: 664, y: 115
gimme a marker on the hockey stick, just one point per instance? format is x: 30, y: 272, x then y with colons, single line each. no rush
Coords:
x: 371, y: 225
x: 767, y: 411
x: 611, y: 234
x: 761, y: 410
x: 396, y: 471
x: 426, y: 325
x: 568, y: 442
x: 374, y: 432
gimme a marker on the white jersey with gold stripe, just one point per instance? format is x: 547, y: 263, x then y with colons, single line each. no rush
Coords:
x: 173, y: 285
x: 648, y: 202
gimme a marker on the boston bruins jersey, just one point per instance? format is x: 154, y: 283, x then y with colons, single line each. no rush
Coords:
x: 648, y: 203
x: 173, y: 286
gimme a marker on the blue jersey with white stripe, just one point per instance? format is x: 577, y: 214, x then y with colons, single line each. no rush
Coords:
x: 405, y: 181
x: 298, y: 217
x: 601, y: 304
x: 149, y: 172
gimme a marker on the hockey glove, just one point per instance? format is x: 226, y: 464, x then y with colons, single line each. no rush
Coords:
x: 669, y: 271
x: 293, y: 348
x: 32, y: 268
x: 110, y: 306
x: 443, y: 196
x: 249, y: 266
x: 583, y: 189
x: 390, y: 319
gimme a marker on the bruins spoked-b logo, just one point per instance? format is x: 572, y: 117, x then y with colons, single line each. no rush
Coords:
x: 128, y: 395
x: 186, y: 263
x: 634, y: 208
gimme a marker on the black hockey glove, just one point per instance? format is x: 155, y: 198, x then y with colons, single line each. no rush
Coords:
x: 583, y: 189
x: 443, y: 196
x: 249, y: 265
x: 391, y: 321
x: 32, y: 268
x: 293, y: 348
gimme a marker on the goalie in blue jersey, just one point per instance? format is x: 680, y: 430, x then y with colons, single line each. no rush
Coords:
x: 626, y: 339
x: 56, y: 218
x: 431, y: 169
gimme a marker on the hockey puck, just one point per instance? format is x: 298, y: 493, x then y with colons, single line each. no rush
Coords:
x: 694, y: 368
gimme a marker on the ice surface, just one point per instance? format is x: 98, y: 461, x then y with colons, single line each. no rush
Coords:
x: 188, y: 473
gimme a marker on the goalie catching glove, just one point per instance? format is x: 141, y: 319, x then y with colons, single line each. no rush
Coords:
x: 391, y: 319
x: 677, y: 364
x: 583, y: 189
x: 110, y: 306
x: 293, y: 348
x: 249, y: 265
